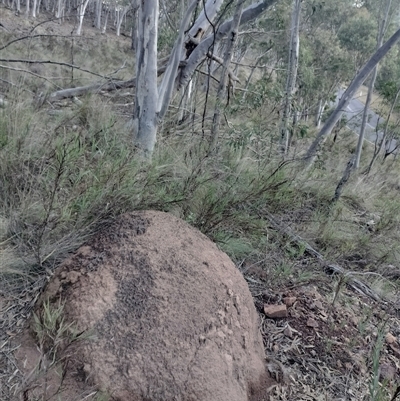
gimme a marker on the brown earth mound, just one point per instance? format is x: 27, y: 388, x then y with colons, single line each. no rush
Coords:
x: 168, y: 317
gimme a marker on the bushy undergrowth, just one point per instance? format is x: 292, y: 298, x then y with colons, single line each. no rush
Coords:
x: 64, y: 176
x: 66, y: 172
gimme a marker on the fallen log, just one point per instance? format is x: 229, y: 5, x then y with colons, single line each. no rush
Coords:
x: 97, y: 87
x: 93, y: 88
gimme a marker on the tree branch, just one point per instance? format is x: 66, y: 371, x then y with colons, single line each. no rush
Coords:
x: 39, y: 36
x: 55, y: 63
x: 29, y: 72
x: 201, y: 50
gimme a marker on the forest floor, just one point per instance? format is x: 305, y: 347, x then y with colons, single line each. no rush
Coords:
x: 331, y: 340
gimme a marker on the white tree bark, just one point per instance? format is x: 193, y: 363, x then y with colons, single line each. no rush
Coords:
x: 202, y: 23
x: 60, y: 9
x: 34, y: 7
x: 106, y: 20
x: 120, y: 17
x: 293, y: 63
x: 347, y: 96
x: 221, y: 94
x: 201, y: 50
x: 81, y: 13
x: 320, y: 110
x: 145, y: 118
x: 36, y: 11
x: 183, y: 109
x: 135, y: 6
x: 97, y: 18
x: 168, y: 83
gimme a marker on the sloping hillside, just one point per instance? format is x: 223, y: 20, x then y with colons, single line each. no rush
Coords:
x: 324, y: 275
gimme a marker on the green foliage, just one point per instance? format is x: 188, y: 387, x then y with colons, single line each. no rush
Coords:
x: 358, y: 36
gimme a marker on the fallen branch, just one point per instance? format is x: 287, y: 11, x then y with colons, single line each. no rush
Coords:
x: 93, y: 88
x: 220, y: 61
x: 97, y: 87
x: 331, y: 268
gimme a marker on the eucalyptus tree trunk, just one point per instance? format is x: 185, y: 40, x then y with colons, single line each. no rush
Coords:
x: 145, y: 117
x: 291, y: 75
x: 344, y: 179
x: 207, y: 15
x: 347, y: 96
x: 135, y: 6
x: 34, y: 7
x: 106, y: 20
x: 199, y: 50
x: 60, y: 9
x: 81, y: 13
x: 382, y: 29
x: 320, y: 110
x: 221, y: 94
x: 120, y: 17
x: 98, y: 11
x: 167, y: 85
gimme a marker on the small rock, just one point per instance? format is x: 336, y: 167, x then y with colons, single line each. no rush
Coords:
x: 289, y: 301
x: 386, y: 372
x: 288, y: 332
x: 315, y: 294
x: 390, y: 338
x: 395, y: 350
x: 312, y: 323
x: 275, y: 311
x: 318, y: 304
